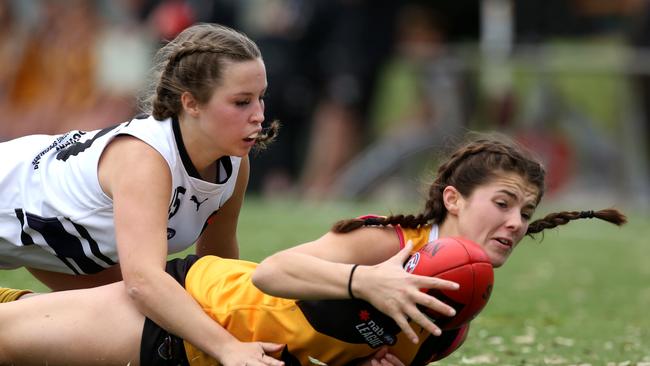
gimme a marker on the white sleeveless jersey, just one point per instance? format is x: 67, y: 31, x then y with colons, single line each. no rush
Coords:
x: 54, y: 215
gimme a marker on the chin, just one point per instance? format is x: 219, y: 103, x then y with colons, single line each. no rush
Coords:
x: 240, y: 153
x: 497, y: 260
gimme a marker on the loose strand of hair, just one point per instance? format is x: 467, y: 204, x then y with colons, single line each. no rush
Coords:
x: 268, y: 135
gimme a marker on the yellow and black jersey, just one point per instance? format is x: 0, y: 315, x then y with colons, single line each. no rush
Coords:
x: 323, y: 332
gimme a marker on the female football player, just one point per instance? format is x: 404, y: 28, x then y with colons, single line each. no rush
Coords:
x: 357, y: 305
x: 88, y: 208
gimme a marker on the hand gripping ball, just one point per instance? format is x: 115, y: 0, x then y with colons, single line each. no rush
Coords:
x: 459, y: 260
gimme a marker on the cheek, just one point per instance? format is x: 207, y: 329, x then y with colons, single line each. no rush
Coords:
x: 481, y: 215
x: 472, y: 225
x: 221, y: 118
x: 522, y: 233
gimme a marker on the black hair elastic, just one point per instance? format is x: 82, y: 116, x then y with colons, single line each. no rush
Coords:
x: 586, y: 214
x: 354, y: 267
x: 371, y: 221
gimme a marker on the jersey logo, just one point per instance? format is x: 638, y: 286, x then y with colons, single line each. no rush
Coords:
x: 197, y: 202
x: 176, y: 201
x: 357, y: 321
x: 165, y: 349
x: 78, y: 147
x: 373, y: 332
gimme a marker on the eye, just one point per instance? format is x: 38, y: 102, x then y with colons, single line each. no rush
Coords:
x: 242, y: 103
x: 501, y: 204
x: 526, y: 216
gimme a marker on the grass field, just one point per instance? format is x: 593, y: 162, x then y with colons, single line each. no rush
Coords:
x: 581, y: 296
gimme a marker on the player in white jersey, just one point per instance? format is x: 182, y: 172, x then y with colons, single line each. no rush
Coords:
x: 69, y: 228
x: 84, y: 209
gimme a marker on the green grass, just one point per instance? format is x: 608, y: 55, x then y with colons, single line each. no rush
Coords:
x: 579, y: 297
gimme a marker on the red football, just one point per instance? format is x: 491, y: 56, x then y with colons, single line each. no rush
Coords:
x: 461, y: 261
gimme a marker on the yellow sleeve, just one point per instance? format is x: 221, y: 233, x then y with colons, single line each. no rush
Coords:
x: 419, y: 236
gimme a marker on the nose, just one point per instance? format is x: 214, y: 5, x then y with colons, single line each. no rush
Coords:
x: 258, y: 114
x: 515, y: 222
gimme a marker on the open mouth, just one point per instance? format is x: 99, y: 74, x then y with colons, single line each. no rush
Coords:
x: 505, y: 242
x: 252, y: 137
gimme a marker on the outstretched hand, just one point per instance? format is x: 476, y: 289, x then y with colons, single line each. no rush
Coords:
x: 239, y: 353
x: 396, y: 293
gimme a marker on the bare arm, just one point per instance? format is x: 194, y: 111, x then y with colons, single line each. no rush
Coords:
x: 321, y: 269
x: 139, y: 181
x: 220, y: 237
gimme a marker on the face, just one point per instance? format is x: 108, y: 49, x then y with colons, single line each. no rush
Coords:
x: 232, y: 118
x: 496, y: 215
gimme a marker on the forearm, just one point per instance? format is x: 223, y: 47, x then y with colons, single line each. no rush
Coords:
x: 297, y: 275
x: 166, y: 303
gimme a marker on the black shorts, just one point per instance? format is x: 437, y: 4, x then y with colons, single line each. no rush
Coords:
x: 158, y: 346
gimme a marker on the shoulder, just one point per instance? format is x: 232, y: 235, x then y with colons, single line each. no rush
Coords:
x: 128, y: 157
x: 366, y: 245
x: 158, y: 134
x: 143, y: 135
x: 129, y: 147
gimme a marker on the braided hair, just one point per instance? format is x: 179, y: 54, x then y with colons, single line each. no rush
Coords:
x: 553, y: 220
x: 194, y: 62
x: 474, y: 164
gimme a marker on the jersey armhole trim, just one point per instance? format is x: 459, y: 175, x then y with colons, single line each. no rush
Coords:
x: 398, y: 230
x: 112, y: 139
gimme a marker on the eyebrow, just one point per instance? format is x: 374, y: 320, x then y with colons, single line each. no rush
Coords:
x: 245, y: 93
x: 514, y: 197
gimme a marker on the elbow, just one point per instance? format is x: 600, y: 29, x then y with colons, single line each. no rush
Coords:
x: 263, y: 276
x: 134, y: 291
x: 139, y: 287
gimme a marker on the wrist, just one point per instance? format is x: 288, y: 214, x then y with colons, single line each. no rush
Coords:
x: 224, y: 347
x: 356, y: 286
x: 350, y: 279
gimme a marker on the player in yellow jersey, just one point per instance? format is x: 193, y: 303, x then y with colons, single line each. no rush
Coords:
x: 341, y: 299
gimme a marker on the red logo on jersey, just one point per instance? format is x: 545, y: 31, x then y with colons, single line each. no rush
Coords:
x: 364, y: 315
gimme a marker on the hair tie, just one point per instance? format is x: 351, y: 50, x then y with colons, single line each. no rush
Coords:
x: 371, y: 221
x: 586, y: 214
x: 354, y: 267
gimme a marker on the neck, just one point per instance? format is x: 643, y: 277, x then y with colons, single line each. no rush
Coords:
x: 201, y: 154
x: 449, y: 227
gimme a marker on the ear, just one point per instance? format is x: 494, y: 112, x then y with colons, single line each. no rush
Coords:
x: 452, y: 199
x: 190, y: 105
